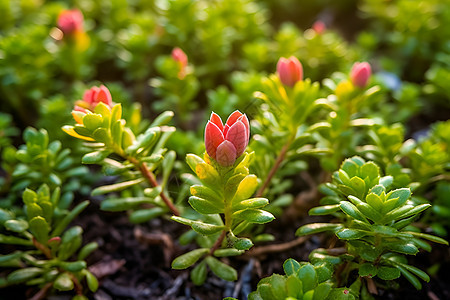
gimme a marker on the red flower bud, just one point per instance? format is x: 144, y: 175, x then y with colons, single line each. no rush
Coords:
x: 181, y: 58
x: 92, y: 97
x: 226, y: 143
x: 289, y: 70
x: 360, y: 74
x: 70, y: 21
x: 319, y: 27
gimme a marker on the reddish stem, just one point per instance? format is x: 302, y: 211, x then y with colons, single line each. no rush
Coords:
x: 218, y: 243
x: 42, y: 248
x: 274, y: 169
x: 42, y: 292
x: 152, y: 180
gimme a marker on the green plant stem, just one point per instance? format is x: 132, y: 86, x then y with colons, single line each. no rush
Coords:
x: 152, y: 180
x: 275, y: 167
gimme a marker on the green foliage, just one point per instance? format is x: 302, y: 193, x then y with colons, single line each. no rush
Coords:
x: 39, y: 161
x: 227, y: 192
x: 302, y: 281
x: 48, y: 246
x: 375, y: 222
x: 144, y: 153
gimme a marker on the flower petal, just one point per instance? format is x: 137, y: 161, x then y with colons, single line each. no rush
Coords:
x: 216, y: 120
x: 89, y: 95
x: 233, y: 117
x: 104, y: 96
x: 213, y: 138
x: 244, y: 120
x: 237, y: 135
x: 226, y: 154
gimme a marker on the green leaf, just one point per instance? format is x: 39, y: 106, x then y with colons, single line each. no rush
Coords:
x: 411, y: 278
x: 207, y: 174
x: 243, y: 244
x: 144, y: 215
x: 402, y: 194
x: 375, y: 201
x: 73, y: 266
x: 117, y: 132
x: 91, y: 281
x: 95, y: 157
x: 102, y: 135
x: 308, y: 276
x: 388, y: 273
x: 228, y: 252
x: 62, y: 225
x: 246, y: 188
x: 369, y: 169
x: 359, y: 186
x: 12, y: 240
x: 324, y: 210
x: 204, y: 192
x: 40, y: 229
x: 116, y: 113
x: 70, y: 242
x: 123, y: 204
x: 87, y: 250
x: 220, y: 269
x: 257, y: 216
x: 23, y: 275
x: 324, y: 271
x: 316, y: 228
x: 352, y: 211
x: 350, y: 234
x: 198, y: 274
x: 105, y: 112
x: 188, y: 259
x: 205, y: 206
x: 367, y: 269
x: 193, y: 160
x: 250, y: 203
x: 163, y: 119
x: 291, y: 267
x: 206, y: 229
x: 294, y: 288
x: 63, y: 282
x: 16, y: 225
x: 116, y: 187
x: 428, y: 237
x: 92, y: 121
x: 29, y: 196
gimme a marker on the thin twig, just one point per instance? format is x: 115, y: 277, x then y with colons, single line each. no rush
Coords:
x: 42, y: 292
x: 218, y: 243
x: 152, y: 180
x: 42, y: 248
x: 274, y: 169
x: 275, y: 248
x: 371, y: 286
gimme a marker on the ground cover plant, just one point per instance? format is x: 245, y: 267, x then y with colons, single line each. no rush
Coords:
x: 237, y: 149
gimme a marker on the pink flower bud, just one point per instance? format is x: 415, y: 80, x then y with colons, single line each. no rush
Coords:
x: 360, y: 74
x: 70, y: 21
x: 181, y: 58
x: 93, y: 97
x: 226, y: 143
x: 289, y: 70
x: 319, y: 27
